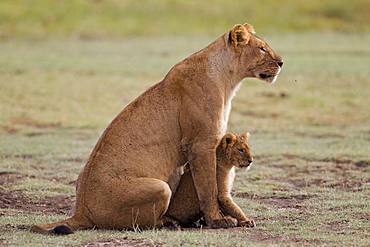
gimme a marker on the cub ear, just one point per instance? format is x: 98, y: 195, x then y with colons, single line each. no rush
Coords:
x: 229, y: 139
x: 249, y: 28
x: 239, y: 35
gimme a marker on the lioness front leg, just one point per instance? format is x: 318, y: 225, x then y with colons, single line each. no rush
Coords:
x: 203, y: 169
x: 229, y: 207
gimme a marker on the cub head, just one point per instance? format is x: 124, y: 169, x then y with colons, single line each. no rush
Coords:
x: 235, y: 149
x: 253, y: 56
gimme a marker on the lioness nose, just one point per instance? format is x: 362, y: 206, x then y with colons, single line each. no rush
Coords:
x: 280, y: 63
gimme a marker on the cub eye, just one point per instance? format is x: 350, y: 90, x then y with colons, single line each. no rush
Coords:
x: 241, y: 151
x: 263, y: 49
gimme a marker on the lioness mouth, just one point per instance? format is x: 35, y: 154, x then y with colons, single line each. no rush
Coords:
x: 265, y: 76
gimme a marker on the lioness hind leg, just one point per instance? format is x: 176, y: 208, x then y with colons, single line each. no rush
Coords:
x: 137, y: 202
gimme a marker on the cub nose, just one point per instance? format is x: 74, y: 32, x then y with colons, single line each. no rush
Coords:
x: 280, y: 63
x: 250, y: 161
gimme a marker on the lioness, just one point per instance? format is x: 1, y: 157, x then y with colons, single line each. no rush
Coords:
x: 233, y: 151
x: 138, y: 162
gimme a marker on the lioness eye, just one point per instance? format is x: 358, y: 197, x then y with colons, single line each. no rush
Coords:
x: 263, y: 49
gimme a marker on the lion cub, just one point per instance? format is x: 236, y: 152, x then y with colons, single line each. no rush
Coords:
x: 233, y: 151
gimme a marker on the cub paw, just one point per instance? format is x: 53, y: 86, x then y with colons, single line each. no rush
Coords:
x: 247, y: 223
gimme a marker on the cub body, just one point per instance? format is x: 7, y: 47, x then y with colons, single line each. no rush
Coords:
x: 233, y: 151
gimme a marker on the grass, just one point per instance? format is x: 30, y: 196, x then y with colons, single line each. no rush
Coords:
x: 310, y: 135
x: 112, y: 18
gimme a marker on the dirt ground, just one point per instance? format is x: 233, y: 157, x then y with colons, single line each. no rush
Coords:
x: 341, y: 170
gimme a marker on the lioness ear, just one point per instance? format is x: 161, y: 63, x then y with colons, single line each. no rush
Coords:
x: 245, y: 136
x: 239, y: 35
x: 229, y: 139
x: 249, y: 28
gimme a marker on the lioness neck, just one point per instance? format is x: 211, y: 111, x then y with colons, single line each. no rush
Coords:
x: 222, y: 65
x: 210, y: 72
x: 221, y: 70
x: 216, y: 61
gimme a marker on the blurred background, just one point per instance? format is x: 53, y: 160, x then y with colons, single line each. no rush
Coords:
x: 122, y: 18
x: 98, y: 54
x: 68, y: 67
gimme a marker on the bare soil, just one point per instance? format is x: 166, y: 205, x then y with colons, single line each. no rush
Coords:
x: 9, y: 177
x: 62, y: 205
x: 27, y: 121
x: 121, y: 242
x: 49, y: 205
x: 292, y: 201
x: 17, y: 200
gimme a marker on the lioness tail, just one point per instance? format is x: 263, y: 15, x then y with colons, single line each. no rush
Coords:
x: 64, y: 227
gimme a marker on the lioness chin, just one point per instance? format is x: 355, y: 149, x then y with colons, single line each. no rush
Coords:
x: 138, y: 161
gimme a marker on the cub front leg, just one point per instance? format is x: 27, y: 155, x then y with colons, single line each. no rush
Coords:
x: 229, y: 207
x: 203, y: 169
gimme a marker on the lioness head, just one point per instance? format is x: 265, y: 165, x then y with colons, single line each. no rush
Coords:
x: 255, y: 57
x: 236, y: 150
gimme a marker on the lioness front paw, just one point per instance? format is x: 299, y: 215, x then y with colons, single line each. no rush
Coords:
x: 247, y: 223
x: 225, y: 222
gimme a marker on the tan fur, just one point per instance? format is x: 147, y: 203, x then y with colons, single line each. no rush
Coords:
x: 138, y: 161
x: 233, y: 151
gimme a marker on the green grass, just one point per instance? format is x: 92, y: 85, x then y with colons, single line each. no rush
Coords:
x: 112, y: 18
x: 310, y: 134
